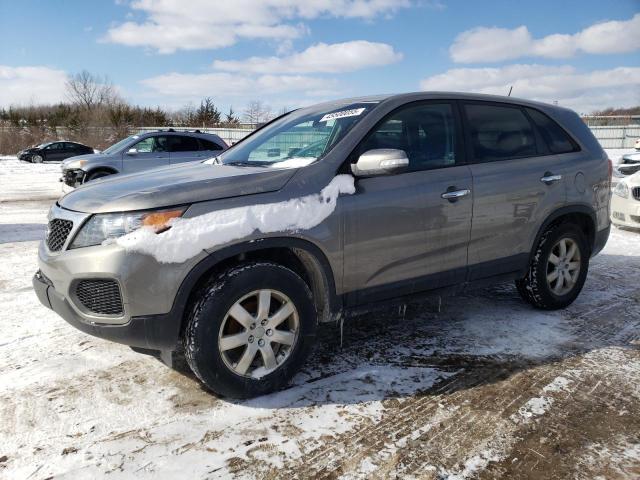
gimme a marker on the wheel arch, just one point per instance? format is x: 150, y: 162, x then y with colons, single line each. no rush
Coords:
x: 96, y: 169
x: 582, y: 215
x: 301, y: 256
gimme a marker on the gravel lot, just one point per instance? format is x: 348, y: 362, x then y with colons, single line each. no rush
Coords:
x: 479, y: 386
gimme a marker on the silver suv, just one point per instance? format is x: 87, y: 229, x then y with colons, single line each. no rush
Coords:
x: 340, y: 206
x: 142, y: 152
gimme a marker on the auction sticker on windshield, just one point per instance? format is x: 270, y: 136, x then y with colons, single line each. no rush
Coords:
x: 354, y: 112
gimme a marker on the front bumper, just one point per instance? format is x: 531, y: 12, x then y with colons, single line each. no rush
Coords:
x: 151, y: 332
x: 625, y: 212
x: 73, y: 178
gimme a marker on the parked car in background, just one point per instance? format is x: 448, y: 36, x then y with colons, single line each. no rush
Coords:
x: 142, y: 152
x: 54, y: 151
x: 630, y: 164
x: 325, y: 211
x: 625, y: 202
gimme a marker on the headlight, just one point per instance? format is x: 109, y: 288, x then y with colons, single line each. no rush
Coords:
x: 105, y: 226
x: 622, y: 190
x: 74, y: 164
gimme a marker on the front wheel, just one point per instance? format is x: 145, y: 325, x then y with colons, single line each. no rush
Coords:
x: 250, y: 329
x: 36, y: 159
x: 558, y: 268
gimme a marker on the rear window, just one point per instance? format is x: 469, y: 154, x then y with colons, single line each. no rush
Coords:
x: 208, y: 145
x: 499, y: 132
x: 557, y: 140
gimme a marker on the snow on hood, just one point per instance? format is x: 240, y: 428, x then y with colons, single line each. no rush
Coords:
x: 190, y: 236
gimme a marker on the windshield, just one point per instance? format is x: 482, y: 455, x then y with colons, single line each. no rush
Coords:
x: 117, y: 146
x: 298, y: 138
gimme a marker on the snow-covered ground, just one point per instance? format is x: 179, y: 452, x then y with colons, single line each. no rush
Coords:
x: 484, y: 386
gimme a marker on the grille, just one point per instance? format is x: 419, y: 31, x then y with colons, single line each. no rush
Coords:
x: 57, y: 233
x: 100, y: 296
x: 636, y: 192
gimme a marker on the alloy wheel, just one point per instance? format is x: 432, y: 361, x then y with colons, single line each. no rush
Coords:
x: 258, y: 333
x: 563, y: 266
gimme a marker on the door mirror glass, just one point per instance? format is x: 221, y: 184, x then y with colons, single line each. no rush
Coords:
x: 381, y: 161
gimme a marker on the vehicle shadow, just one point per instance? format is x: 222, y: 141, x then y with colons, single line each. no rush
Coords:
x: 464, y: 342
x: 21, y: 232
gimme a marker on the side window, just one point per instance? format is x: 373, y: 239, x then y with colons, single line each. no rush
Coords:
x: 208, y: 145
x: 179, y: 143
x: 152, y: 144
x: 499, y: 132
x: 425, y: 132
x: 71, y: 146
x: 55, y: 146
x: 557, y: 140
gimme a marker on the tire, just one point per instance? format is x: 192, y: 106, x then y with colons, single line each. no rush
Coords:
x: 212, y: 318
x: 37, y: 159
x: 96, y: 175
x: 540, y: 287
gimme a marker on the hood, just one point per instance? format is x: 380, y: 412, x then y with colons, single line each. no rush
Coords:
x: 174, y: 185
x: 68, y: 163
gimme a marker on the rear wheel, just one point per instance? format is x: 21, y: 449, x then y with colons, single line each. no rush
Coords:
x: 558, y: 268
x: 250, y: 329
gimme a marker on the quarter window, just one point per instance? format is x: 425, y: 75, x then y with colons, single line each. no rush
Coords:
x: 425, y: 132
x: 553, y: 134
x: 207, y: 145
x: 499, y: 132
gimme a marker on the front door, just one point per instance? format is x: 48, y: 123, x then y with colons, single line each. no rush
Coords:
x: 150, y: 152
x: 408, y: 232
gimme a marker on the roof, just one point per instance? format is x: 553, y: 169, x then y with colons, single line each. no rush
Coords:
x: 426, y: 95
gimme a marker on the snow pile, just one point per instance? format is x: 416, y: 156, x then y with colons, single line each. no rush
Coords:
x: 189, y: 236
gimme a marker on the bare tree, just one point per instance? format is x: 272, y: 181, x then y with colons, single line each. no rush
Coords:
x: 90, y: 91
x: 257, y: 112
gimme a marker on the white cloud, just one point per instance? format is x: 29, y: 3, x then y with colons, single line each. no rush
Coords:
x: 333, y: 58
x: 172, y: 25
x: 195, y: 86
x: 582, y: 91
x: 493, y: 44
x: 31, y: 85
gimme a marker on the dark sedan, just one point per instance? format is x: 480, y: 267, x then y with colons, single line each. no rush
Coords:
x: 54, y: 152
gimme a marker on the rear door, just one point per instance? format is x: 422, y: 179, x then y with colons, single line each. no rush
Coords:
x: 150, y: 152
x: 517, y: 183
x: 72, y: 149
x: 55, y: 152
x: 401, y: 235
x: 184, y: 148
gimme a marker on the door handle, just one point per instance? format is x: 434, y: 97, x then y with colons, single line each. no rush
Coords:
x: 549, y: 178
x: 456, y: 194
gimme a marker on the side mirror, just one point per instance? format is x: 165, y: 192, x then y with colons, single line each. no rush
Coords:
x: 132, y: 151
x: 382, y: 161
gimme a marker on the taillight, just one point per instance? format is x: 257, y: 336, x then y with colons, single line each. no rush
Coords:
x: 610, y: 170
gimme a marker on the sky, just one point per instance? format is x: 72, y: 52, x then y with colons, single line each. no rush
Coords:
x: 582, y: 54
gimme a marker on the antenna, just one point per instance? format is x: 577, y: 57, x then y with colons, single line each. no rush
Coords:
x: 510, y: 90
